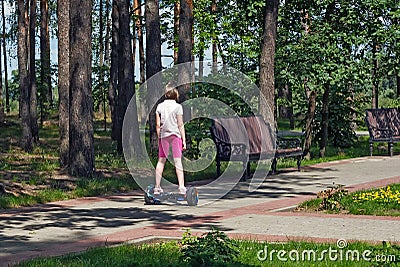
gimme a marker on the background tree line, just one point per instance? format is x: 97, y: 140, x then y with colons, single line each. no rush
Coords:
x: 320, y: 63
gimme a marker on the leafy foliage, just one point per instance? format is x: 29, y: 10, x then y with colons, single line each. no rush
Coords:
x: 331, y: 198
x: 211, y: 249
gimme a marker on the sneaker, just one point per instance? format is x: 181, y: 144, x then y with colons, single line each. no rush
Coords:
x: 158, y: 190
x: 182, y: 190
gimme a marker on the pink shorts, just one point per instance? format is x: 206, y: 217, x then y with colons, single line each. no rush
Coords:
x: 164, y: 143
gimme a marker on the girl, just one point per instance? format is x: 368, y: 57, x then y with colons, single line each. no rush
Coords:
x: 170, y: 132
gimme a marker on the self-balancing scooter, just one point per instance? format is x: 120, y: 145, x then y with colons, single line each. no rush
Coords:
x: 191, y: 196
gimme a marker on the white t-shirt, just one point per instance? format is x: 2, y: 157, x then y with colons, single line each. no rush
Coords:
x: 168, y: 111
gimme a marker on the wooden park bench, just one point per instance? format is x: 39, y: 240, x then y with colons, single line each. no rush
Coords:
x: 383, y: 126
x: 248, y: 139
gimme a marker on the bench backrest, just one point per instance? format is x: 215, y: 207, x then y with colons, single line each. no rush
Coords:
x: 393, y: 116
x: 383, y: 122
x: 252, y: 131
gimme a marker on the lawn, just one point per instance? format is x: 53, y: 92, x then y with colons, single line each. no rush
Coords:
x: 251, y: 253
x: 383, y: 201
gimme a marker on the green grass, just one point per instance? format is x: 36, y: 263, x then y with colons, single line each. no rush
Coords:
x: 168, y: 254
x: 38, y: 173
x: 359, y: 149
x: 58, y: 190
x: 386, y: 203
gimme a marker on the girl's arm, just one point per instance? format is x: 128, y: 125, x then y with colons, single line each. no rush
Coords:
x: 158, y: 124
x: 181, y: 127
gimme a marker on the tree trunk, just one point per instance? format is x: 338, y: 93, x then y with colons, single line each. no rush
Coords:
x: 126, y: 81
x: 221, y: 53
x: 139, y: 27
x: 286, y: 110
x: 134, y: 32
x: 63, y: 80
x: 153, y: 65
x: 214, y: 40
x: 214, y: 52
x: 23, y: 27
x: 45, y: 74
x: 312, y: 95
x: 185, y: 31
x: 5, y: 59
x: 375, y: 89
x: 325, y: 97
x: 32, y: 73
x: 142, y: 63
x: 325, y: 120
x: 2, y: 115
x: 81, y: 105
x: 177, y: 11
x: 101, y: 62
x: 107, y: 42
x: 201, y: 64
x: 185, y: 48
x: 267, y: 78
x: 113, y: 85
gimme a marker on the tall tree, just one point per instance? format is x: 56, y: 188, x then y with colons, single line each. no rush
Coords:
x: 153, y: 65
x: 81, y: 135
x: 126, y: 77
x: 101, y: 61
x: 45, y: 71
x: 214, y: 37
x: 2, y: 115
x: 23, y: 34
x: 7, y: 93
x: 139, y: 31
x: 311, y: 97
x: 267, y: 63
x: 63, y: 79
x: 285, y: 109
x: 32, y: 72
x: 177, y: 10
x: 113, y: 85
x: 375, y: 78
x: 108, y: 32
x: 185, y: 49
x: 330, y: 10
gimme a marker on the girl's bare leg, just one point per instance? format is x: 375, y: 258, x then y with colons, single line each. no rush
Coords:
x: 179, y: 172
x: 159, y: 170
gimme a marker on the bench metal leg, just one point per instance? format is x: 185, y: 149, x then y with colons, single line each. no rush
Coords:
x: 246, y: 171
x: 390, y: 149
x: 218, y: 167
x: 274, y: 162
x: 298, y: 163
x: 371, y: 148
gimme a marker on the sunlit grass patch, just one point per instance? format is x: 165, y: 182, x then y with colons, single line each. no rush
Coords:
x: 251, y: 253
x: 383, y: 201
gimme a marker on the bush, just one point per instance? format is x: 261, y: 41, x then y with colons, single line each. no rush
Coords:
x: 332, y: 197
x: 211, y: 249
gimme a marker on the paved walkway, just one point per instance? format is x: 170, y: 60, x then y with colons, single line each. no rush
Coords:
x: 75, y: 225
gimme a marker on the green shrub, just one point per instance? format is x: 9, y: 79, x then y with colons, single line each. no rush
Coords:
x: 211, y: 249
x: 332, y: 197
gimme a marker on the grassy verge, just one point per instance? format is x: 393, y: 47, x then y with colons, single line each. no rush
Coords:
x: 383, y: 201
x: 29, y: 179
x: 250, y: 254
